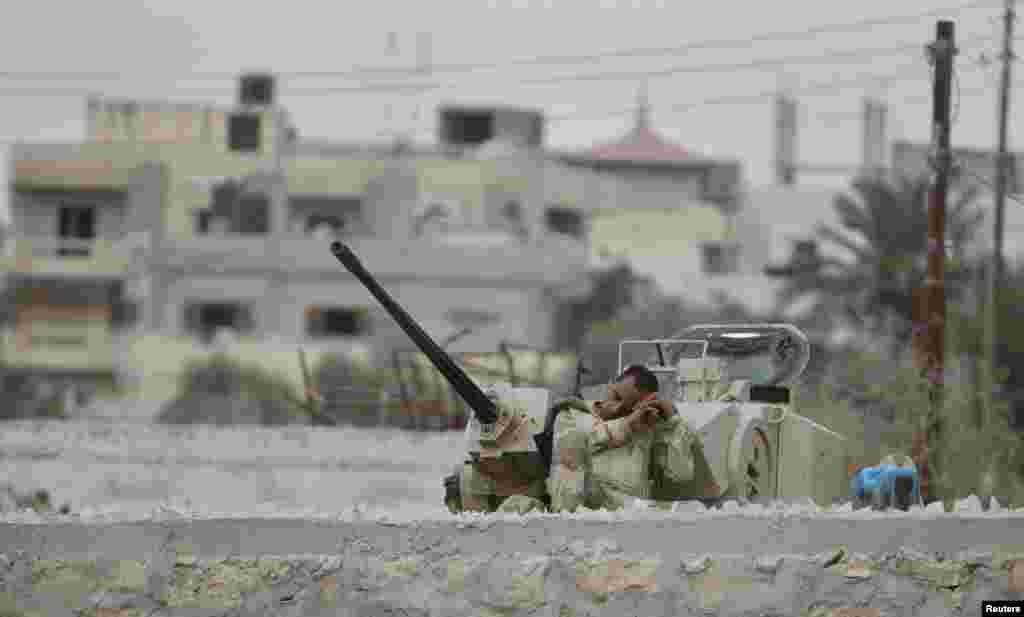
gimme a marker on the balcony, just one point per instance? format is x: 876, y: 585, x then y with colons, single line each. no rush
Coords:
x: 49, y: 256
x: 59, y: 347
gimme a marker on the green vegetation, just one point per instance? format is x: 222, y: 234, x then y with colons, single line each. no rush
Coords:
x: 981, y: 459
x: 224, y: 390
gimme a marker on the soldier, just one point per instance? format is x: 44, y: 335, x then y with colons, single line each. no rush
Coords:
x: 512, y: 481
x: 630, y: 446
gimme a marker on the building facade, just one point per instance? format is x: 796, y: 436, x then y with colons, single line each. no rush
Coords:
x: 669, y: 211
x: 172, y: 224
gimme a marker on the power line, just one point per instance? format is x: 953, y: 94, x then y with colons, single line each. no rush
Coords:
x: 542, y: 60
x: 907, y: 73
x: 826, y: 58
x: 989, y: 184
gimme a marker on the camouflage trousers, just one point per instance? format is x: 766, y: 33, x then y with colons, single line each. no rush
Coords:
x: 484, y: 494
x: 571, y: 489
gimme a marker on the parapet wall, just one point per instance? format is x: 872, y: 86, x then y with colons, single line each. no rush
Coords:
x: 673, y: 564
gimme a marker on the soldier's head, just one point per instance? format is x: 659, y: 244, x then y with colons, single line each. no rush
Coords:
x: 635, y: 384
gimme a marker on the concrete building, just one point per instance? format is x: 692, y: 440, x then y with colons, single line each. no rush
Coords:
x: 668, y: 210
x: 130, y: 251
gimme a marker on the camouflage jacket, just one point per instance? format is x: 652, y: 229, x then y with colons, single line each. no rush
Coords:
x: 599, y: 462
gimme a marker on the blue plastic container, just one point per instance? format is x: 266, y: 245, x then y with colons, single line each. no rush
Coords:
x: 878, y: 484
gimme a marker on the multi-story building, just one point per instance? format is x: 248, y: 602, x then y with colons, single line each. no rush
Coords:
x: 667, y: 209
x: 130, y: 251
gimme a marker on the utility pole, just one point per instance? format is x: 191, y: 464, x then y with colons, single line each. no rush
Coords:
x: 931, y: 359
x: 995, y: 269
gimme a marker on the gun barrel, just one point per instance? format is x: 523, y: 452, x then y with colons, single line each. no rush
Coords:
x: 484, y: 408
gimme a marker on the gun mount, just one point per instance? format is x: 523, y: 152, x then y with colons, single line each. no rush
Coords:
x: 494, y: 433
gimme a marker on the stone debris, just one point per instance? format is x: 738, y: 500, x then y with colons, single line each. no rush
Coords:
x: 768, y: 564
x: 697, y: 565
x: 970, y: 504
x: 970, y: 507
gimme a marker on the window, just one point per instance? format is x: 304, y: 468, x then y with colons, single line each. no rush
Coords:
x: 720, y: 258
x: 466, y: 128
x: 512, y: 218
x: 76, y: 230
x: 244, y: 133
x: 327, y: 322
x: 241, y: 212
x: 253, y: 215
x: 204, y: 319
x: 564, y: 221
x: 204, y: 220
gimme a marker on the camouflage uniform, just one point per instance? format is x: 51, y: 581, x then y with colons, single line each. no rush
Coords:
x: 511, y: 469
x: 492, y: 494
x: 600, y: 464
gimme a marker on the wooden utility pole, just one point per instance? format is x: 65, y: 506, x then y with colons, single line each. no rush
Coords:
x: 995, y: 269
x: 942, y: 52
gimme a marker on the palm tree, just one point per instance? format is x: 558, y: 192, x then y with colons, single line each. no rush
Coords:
x: 884, y: 228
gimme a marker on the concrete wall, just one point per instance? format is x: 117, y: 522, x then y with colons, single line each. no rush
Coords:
x: 544, y: 567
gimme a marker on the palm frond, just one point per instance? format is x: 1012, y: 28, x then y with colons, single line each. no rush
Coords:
x: 826, y: 232
x: 851, y: 214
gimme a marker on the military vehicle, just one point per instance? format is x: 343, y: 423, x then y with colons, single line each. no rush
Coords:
x: 733, y: 382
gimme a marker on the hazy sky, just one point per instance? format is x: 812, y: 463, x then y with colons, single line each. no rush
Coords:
x: 159, y: 46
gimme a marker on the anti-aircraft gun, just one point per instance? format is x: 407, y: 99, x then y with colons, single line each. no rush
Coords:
x: 734, y: 384
x: 506, y: 436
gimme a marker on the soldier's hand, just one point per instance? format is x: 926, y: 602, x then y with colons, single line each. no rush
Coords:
x: 608, y: 410
x: 661, y: 408
x: 642, y: 419
x: 648, y: 414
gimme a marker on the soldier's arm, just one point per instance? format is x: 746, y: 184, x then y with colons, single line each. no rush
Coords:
x: 608, y: 434
x: 679, y: 463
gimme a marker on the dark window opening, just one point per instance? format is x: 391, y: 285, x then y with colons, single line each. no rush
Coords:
x: 565, y: 221
x: 253, y: 214
x: 204, y: 319
x: 256, y: 89
x: 720, y: 258
x: 244, y: 132
x: 512, y: 211
x: 465, y: 128
x: 204, y: 219
x: 76, y: 230
x: 326, y: 322
x: 245, y: 213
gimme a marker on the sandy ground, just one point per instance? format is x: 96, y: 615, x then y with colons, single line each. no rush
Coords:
x: 99, y: 464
